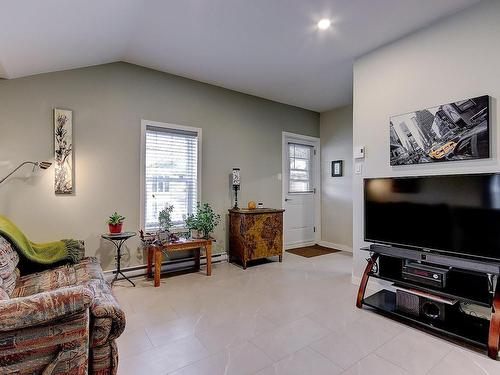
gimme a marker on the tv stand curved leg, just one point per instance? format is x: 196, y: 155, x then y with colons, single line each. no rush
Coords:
x: 494, y: 336
x: 364, y: 280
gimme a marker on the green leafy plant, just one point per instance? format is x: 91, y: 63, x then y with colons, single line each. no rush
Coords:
x: 204, y: 221
x: 116, y: 219
x: 165, y: 218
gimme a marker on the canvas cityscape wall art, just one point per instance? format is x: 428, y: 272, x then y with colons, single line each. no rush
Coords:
x: 453, y: 131
x: 63, y: 151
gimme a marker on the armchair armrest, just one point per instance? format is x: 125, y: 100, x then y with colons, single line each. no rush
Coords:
x: 107, y: 317
x: 42, y: 308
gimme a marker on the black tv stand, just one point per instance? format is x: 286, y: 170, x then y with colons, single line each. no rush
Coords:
x: 471, y: 282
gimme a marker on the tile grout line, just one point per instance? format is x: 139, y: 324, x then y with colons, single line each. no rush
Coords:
x: 396, y: 364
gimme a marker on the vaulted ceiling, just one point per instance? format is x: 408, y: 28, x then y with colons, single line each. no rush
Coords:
x: 268, y: 48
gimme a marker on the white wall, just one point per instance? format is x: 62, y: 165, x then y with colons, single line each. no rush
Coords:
x: 455, y: 59
x: 108, y: 103
x: 336, y: 192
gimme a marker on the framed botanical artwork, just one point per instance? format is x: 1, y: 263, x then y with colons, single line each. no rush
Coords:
x: 337, y: 168
x: 63, y: 151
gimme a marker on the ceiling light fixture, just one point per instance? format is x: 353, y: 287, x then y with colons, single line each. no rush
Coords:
x: 324, y: 24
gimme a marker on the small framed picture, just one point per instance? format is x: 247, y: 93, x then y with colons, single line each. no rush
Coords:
x: 337, y: 168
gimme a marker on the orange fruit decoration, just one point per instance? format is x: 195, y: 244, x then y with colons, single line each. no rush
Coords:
x: 251, y: 205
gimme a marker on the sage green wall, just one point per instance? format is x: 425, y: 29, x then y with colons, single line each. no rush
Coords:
x: 109, y: 102
x: 336, y: 192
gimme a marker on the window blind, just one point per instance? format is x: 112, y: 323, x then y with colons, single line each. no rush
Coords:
x: 171, y: 174
x: 300, y: 167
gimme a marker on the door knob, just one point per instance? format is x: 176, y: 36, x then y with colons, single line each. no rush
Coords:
x: 287, y: 199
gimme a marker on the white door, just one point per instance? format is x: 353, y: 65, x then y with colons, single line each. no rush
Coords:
x: 299, y: 189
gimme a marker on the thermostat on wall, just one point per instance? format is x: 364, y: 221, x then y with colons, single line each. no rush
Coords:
x: 359, y: 152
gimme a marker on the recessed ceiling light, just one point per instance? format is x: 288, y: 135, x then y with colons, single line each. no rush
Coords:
x: 324, y: 24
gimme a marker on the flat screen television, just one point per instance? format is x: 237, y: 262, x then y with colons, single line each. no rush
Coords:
x: 452, y: 214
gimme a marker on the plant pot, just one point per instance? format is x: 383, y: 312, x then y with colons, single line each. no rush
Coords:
x: 115, y: 228
x: 196, y: 234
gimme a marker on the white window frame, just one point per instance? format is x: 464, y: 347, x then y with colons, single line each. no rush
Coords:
x: 165, y: 125
x: 311, y: 170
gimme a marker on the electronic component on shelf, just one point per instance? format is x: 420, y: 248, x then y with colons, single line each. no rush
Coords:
x: 424, y: 305
x: 425, y: 274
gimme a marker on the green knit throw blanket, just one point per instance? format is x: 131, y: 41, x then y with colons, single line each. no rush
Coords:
x: 42, y: 253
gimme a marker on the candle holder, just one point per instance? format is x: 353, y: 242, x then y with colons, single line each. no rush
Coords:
x: 236, y: 186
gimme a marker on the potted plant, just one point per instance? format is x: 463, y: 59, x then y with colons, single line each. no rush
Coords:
x: 115, y: 223
x: 165, y: 222
x: 204, y: 222
x: 165, y: 219
x: 192, y: 225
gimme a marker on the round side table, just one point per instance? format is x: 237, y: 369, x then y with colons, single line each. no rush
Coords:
x: 118, y: 240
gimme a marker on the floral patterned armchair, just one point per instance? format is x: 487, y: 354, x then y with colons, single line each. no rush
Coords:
x: 63, y: 320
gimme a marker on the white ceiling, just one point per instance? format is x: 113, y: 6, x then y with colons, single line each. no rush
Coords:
x: 268, y: 48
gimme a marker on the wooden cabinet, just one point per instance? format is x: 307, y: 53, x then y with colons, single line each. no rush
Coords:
x: 255, y: 234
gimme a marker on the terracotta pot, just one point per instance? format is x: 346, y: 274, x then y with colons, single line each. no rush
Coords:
x: 115, y: 228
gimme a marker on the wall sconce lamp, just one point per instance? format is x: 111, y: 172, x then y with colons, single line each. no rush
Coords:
x: 36, y: 164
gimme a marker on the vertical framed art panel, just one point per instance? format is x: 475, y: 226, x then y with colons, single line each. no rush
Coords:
x: 337, y: 169
x: 63, y: 151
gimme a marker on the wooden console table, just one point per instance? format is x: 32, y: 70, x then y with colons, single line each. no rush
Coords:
x: 155, y: 254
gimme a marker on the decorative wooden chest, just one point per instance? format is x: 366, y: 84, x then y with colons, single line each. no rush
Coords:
x: 255, y: 234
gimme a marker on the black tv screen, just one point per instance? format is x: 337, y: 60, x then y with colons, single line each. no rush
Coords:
x: 455, y: 214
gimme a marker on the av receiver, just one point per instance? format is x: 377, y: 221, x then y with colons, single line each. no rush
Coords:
x: 425, y: 274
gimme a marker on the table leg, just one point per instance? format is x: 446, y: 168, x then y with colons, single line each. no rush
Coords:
x: 364, y: 280
x: 197, y: 256
x: 158, y: 260
x: 208, y: 249
x: 117, y: 262
x: 150, y: 254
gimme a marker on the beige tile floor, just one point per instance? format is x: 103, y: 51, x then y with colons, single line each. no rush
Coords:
x: 296, y: 317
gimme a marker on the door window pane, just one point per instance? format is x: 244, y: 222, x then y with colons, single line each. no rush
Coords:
x: 300, y: 172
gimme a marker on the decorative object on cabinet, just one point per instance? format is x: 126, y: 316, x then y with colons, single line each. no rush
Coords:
x: 337, y: 169
x: 255, y: 234
x: 236, y: 185
x: 63, y: 151
x: 452, y: 131
x: 251, y: 205
x: 36, y: 164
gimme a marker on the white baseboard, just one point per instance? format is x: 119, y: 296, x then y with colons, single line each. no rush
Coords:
x: 166, y: 266
x: 336, y: 246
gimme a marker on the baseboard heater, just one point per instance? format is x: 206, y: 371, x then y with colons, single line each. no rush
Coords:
x: 174, y: 265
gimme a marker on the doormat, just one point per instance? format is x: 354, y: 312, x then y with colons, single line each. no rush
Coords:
x: 312, y: 251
